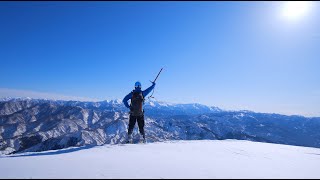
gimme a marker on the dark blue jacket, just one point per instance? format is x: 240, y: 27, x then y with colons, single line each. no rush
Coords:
x: 144, y: 93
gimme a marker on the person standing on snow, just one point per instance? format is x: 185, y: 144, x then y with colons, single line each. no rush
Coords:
x: 136, y: 109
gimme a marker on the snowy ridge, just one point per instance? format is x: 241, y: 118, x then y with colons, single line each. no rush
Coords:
x: 171, y: 159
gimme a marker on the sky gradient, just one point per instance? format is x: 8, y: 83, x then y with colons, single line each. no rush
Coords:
x: 234, y: 55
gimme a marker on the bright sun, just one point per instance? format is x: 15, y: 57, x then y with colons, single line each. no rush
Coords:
x: 293, y: 10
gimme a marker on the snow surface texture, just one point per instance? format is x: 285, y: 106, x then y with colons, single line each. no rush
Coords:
x: 172, y: 159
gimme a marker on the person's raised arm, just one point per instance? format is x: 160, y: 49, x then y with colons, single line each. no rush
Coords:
x: 147, y: 91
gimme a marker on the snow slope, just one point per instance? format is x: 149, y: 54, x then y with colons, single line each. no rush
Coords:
x: 172, y: 159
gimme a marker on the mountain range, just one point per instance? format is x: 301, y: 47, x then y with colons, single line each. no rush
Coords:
x: 33, y: 125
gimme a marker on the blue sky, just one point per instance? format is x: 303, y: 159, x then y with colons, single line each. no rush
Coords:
x: 234, y: 55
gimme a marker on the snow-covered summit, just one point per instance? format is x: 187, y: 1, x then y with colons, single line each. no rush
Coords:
x: 171, y: 159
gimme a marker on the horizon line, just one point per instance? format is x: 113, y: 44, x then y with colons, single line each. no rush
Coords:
x: 35, y: 95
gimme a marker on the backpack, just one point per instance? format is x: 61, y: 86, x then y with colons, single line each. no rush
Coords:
x: 137, y: 101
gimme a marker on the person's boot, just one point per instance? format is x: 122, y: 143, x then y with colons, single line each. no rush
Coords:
x: 142, y: 138
x: 129, y: 138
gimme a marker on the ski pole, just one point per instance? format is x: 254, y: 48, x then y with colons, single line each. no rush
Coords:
x: 151, y: 96
x: 157, y: 75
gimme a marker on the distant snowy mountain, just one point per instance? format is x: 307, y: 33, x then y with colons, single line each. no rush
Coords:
x: 163, y: 109
x: 28, y: 125
x: 204, y: 159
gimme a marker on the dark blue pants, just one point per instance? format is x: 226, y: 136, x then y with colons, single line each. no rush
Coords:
x: 132, y: 122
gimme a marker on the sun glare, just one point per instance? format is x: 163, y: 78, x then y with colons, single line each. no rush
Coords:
x: 293, y: 10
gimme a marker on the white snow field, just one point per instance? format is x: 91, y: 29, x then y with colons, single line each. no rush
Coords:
x: 172, y: 159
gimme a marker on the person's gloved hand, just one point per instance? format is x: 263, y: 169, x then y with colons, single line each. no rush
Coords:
x: 153, y: 83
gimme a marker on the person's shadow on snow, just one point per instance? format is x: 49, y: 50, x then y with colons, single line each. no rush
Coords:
x: 54, y: 152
